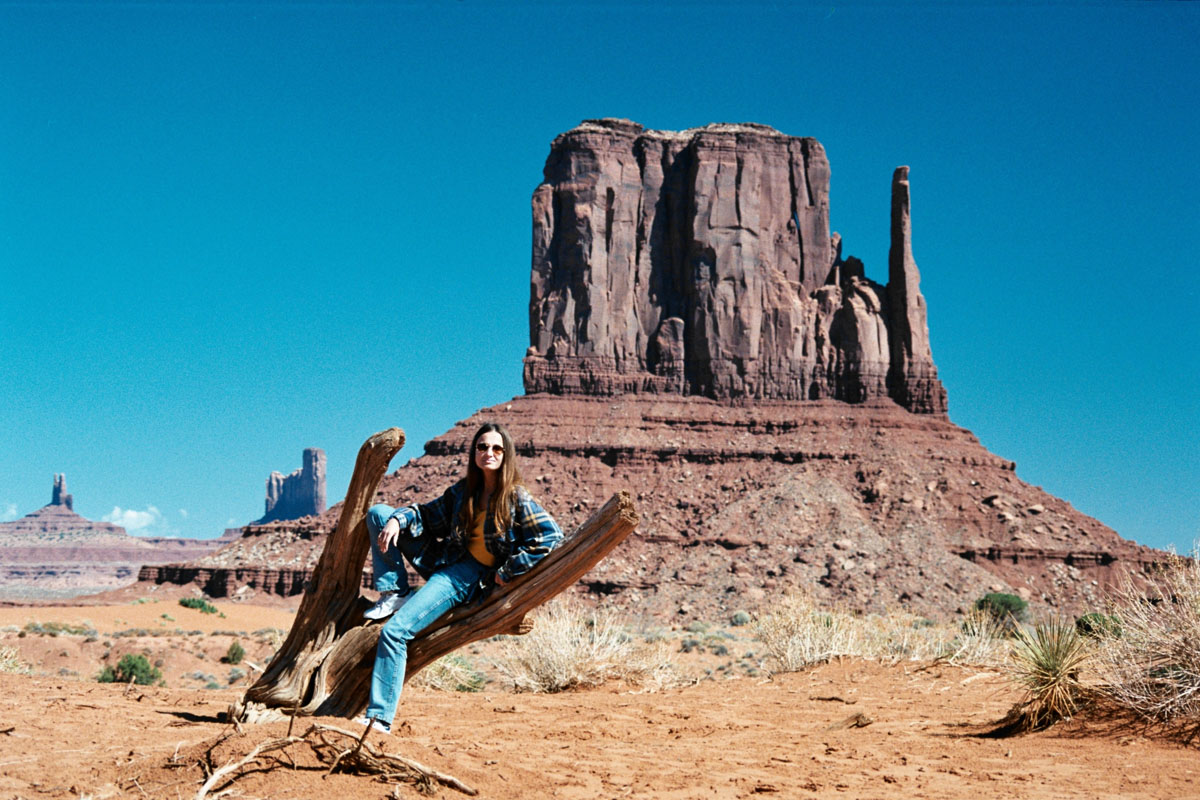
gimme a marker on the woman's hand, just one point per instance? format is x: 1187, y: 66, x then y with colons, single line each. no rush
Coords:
x: 389, y: 534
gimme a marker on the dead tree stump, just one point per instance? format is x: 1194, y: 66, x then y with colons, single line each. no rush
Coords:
x: 324, y: 665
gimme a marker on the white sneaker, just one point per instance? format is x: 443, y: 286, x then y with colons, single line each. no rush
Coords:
x: 374, y: 724
x: 389, y: 603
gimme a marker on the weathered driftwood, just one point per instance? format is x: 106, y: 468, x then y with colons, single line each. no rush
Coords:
x: 324, y: 666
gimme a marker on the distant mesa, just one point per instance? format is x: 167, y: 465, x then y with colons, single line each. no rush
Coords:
x: 54, y: 553
x: 300, y: 494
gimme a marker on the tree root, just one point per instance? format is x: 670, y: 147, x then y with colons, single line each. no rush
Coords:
x: 341, y: 750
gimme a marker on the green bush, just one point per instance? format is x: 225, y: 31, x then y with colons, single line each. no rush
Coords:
x: 235, y: 653
x: 201, y: 605
x: 1007, y: 609
x: 131, y: 667
x: 739, y: 619
x: 1095, y: 625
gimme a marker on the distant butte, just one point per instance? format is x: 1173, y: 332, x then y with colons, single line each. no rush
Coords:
x: 54, y: 553
x: 698, y: 337
x: 299, y: 494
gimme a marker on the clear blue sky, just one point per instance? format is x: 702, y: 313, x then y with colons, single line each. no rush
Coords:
x: 229, y: 231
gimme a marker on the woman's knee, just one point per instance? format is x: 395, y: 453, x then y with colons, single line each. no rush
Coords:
x: 377, y: 517
x: 397, y: 631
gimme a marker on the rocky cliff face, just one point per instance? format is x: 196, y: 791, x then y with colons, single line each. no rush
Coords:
x: 702, y: 263
x: 299, y: 494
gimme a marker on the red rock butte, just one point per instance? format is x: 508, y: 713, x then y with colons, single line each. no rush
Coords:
x: 697, y: 337
x: 702, y: 263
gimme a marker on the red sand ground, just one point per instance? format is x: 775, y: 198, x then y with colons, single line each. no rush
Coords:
x: 70, y: 737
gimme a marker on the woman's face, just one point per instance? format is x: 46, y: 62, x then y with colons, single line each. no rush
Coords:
x: 489, y: 451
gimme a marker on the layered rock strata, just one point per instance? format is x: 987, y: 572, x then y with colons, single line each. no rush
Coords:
x: 702, y: 263
x: 54, y: 553
x: 298, y: 494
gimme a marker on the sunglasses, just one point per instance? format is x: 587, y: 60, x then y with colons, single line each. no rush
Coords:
x: 483, y: 448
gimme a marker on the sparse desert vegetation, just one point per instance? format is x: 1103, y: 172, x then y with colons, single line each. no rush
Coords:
x: 1149, y: 656
x: 925, y: 690
x: 570, y: 648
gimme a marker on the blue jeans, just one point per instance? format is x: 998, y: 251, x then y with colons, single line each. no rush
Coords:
x: 390, y: 573
x: 445, y: 589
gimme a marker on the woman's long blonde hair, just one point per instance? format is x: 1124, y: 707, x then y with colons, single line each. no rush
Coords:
x: 505, y: 496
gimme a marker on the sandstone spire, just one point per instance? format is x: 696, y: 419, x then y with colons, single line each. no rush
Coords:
x: 702, y: 263
x: 912, y: 378
x: 59, y: 496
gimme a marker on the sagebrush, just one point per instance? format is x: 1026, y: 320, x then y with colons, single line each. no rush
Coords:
x: 132, y: 667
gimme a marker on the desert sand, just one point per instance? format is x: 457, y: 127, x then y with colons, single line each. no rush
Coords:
x: 845, y: 729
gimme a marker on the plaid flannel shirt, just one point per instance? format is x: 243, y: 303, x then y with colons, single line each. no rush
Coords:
x: 533, y: 534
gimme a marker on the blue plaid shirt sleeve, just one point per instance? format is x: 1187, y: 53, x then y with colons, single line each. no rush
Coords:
x: 434, y: 517
x: 536, y: 535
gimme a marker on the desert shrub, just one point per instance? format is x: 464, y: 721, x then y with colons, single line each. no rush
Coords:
x: 132, y: 666
x: 696, y: 626
x: 201, y: 605
x: 569, y: 648
x: 797, y: 634
x: 59, y: 628
x: 235, y: 653
x: 688, y: 645
x: 152, y: 632
x: 902, y: 636
x: 981, y: 639
x: 10, y: 661
x: 451, y: 674
x: 1047, y: 662
x: 740, y: 618
x: 1096, y: 625
x: 1009, y: 609
x: 1153, y: 666
x: 236, y: 675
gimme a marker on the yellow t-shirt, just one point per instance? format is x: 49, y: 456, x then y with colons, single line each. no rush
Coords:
x: 475, y: 544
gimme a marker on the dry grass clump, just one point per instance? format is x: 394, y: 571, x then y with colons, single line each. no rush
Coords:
x: 452, y: 673
x: 1151, y: 664
x: 1047, y: 662
x: 570, y: 648
x: 798, y: 634
x: 903, y: 636
x: 10, y: 661
x: 981, y: 640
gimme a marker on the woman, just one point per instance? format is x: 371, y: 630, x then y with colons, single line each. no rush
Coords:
x: 484, y: 530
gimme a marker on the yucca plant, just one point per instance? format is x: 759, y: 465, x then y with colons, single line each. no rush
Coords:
x: 1046, y: 662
